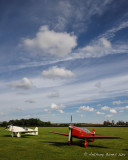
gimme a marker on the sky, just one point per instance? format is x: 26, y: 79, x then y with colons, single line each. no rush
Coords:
x: 64, y: 57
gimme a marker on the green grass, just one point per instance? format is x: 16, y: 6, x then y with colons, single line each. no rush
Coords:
x: 47, y: 146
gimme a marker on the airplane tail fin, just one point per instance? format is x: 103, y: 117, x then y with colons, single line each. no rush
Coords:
x: 93, y: 131
x: 36, y: 129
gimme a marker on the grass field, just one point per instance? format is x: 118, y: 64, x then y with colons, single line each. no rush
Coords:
x: 47, y: 146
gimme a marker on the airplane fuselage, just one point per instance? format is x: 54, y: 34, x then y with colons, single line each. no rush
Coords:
x: 82, y: 133
x: 18, y: 130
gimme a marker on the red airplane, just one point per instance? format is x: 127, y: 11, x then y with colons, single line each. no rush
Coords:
x: 82, y: 133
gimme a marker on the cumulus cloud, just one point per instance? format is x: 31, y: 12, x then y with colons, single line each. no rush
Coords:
x: 60, y: 111
x: 25, y: 83
x: 86, y: 108
x: 56, y: 72
x: 105, y: 108
x: 49, y: 41
x: 116, y: 102
x: 100, y: 113
x: 108, y: 115
x: 57, y: 107
x: 98, y: 48
x: 113, y: 111
x: 126, y: 107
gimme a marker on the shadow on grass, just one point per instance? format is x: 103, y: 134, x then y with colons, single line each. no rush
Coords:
x: 97, y: 146
x: 58, y: 144
x: 22, y: 136
x: 79, y: 143
x: 125, y: 149
x: 6, y: 136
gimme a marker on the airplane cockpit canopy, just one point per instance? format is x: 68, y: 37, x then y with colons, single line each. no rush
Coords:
x: 86, y: 130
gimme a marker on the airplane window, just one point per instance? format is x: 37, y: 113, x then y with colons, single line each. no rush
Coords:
x: 25, y: 128
x: 86, y: 130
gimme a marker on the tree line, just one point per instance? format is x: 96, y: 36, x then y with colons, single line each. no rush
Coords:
x: 112, y: 123
x: 33, y: 122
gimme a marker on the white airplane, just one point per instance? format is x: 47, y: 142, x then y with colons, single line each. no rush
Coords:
x: 18, y: 130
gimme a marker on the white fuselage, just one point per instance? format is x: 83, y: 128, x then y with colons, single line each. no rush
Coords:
x: 19, y: 130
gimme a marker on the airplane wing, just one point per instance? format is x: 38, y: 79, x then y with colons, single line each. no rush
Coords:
x: 100, y: 137
x: 88, y: 137
x: 59, y: 133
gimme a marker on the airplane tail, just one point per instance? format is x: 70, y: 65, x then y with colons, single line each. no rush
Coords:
x: 93, y: 131
x: 36, y: 131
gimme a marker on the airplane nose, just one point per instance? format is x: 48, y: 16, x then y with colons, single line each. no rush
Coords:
x: 70, y: 127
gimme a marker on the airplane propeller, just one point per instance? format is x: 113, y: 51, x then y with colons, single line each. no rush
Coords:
x: 70, y: 133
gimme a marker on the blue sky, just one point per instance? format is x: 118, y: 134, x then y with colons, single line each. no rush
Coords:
x: 59, y: 58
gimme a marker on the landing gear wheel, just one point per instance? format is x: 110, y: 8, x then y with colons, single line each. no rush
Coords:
x: 85, y: 143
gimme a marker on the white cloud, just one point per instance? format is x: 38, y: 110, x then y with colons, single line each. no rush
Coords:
x: 113, y: 111
x: 77, y: 14
x: 24, y: 84
x: 29, y: 116
x: 126, y: 107
x: 56, y: 72
x: 114, y: 86
x: 105, y: 108
x: 49, y: 41
x: 108, y: 115
x: 57, y: 107
x: 54, y: 106
x: 100, y: 113
x: 98, y: 48
x: 102, y: 46
x: 116, y: 102
x: 46, y: 110
x: 86, y: 108
x: 104, y: 42
x: 60, y: 111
